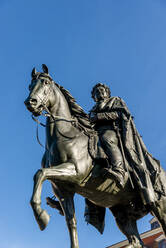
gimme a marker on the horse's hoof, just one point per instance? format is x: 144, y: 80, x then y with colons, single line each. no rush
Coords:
x: 132, y: 246
x: 43, y: 220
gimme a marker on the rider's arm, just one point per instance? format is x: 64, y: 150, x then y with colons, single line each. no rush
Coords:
x: 108, y: 116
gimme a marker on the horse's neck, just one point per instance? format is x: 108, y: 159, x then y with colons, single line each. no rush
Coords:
x: 60, y: 107
x: 54, y: 128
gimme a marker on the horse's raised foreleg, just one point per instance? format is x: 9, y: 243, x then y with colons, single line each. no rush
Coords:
x: 41, y: 215
x: 63, y: 172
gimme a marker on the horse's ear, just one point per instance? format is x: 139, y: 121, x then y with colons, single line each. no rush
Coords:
x: 45, y: 68
x: 33, y: 73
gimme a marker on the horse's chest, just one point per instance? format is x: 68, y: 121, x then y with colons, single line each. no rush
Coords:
x: 60, y: 151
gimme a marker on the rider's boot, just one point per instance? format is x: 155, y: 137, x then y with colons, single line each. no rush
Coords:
x: 117, y: 173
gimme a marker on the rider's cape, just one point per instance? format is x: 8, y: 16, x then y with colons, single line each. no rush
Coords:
x: 146, y: 172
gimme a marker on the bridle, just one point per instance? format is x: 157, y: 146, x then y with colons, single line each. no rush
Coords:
x: 43, y: 103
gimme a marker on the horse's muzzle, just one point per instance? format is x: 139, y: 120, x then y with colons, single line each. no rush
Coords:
x: 32, y: 106
x: 30, y: 102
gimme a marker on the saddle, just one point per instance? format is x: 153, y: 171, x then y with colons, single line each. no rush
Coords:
x: 95, y: 149
x: 99, y: 157
x: 101, y: 162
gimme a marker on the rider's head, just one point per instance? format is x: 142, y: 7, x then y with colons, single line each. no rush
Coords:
x: 100, y: 92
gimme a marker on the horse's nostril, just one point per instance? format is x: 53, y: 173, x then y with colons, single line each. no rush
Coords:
x: 30, y: 102
x: 33, y: 101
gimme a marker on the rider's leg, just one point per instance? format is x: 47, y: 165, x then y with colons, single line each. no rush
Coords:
x: 109, y: 142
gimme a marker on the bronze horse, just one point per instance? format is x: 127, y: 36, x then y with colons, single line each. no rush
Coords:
x: 68, y: 165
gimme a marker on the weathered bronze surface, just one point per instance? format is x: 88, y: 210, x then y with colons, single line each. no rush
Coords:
x: 101, y: 157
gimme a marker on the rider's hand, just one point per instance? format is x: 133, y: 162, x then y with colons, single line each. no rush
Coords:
x: 100, y: 116
x: 93, y: 118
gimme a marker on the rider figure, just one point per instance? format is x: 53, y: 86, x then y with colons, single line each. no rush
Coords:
x: 105, y: 120
x: 125, y: 150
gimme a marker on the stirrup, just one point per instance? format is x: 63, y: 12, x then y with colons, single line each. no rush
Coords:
x: 115, y: 175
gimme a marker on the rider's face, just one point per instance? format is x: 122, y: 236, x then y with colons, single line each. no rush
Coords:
x: 100, y: 93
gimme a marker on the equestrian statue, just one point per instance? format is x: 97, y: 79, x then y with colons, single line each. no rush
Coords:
x: 100, y: 156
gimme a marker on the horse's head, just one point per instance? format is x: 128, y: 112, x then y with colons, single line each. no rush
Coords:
x: 41, y: 91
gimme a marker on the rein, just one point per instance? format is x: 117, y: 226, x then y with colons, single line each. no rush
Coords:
x: 55, y: 118
x: 49, y: 114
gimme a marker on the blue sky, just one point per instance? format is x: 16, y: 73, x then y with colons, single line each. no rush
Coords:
x: 121, y: 43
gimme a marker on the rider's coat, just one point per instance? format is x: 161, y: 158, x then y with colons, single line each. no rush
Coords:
x: 145, y: 169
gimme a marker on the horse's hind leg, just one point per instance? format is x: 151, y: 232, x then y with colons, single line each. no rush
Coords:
x: 128, y: 227
x: 159, y: 210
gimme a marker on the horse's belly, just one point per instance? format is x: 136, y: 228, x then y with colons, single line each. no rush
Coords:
x: 104, y: 192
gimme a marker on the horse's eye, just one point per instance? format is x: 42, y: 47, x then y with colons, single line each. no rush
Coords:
x: 46, y: 82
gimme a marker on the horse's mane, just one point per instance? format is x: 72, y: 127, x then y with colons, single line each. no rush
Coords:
x: 83, y: 122
x: 76, y: 111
